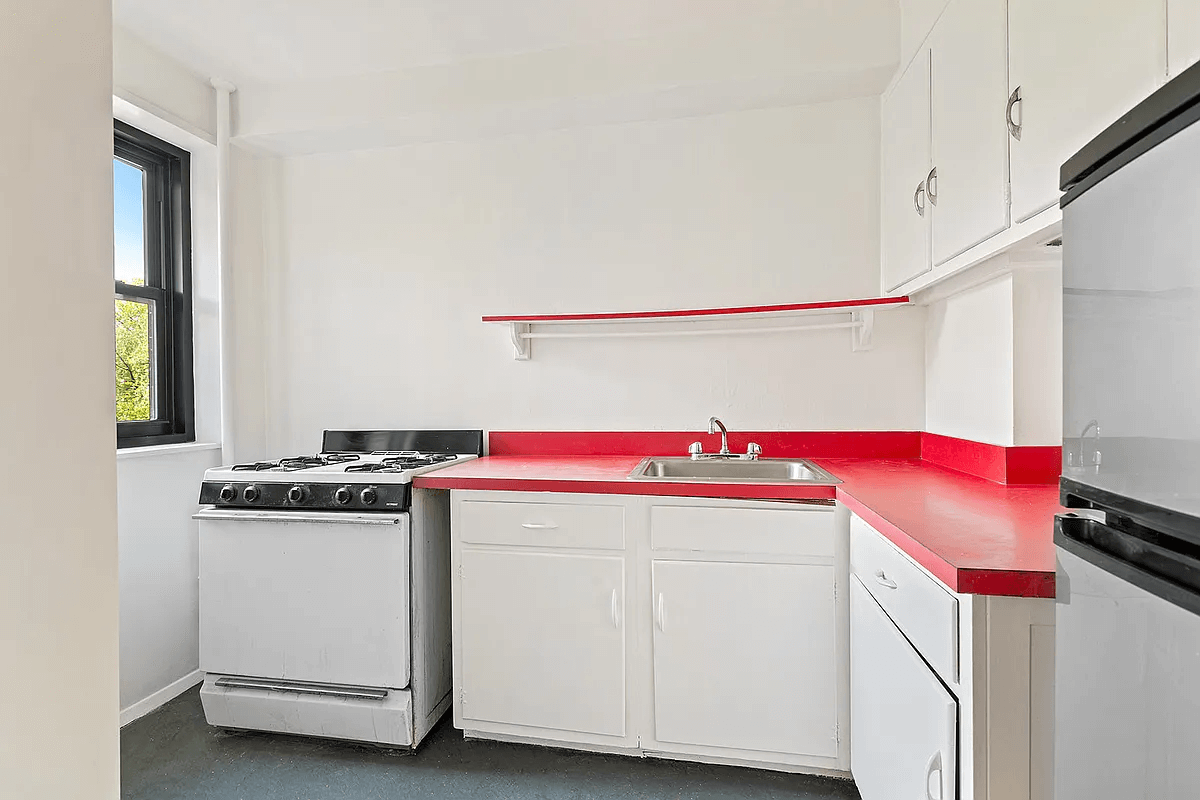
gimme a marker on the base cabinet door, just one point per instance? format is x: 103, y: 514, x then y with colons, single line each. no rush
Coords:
x: 903, y: 721
x: 543, y: 640
x: 745, y: 656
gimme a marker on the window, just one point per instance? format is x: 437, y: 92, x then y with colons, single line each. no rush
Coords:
x: 152, y: 267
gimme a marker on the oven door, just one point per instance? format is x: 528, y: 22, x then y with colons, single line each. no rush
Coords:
x: 316, y: 597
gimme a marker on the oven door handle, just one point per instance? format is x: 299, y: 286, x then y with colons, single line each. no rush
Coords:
x: 331, y: 517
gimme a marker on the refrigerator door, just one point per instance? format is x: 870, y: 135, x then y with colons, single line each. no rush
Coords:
x: 1131, y: 323
x: 1127, y: 667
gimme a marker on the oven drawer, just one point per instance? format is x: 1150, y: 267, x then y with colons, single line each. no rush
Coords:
x: 305, y: 597
x: 590, y: 527
x: 920, y: 606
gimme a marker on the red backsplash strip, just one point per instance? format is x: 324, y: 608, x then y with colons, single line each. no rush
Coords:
x: 1012, y: 465
x: 779, y: 444
x: 1031, y: 465
x: 974, y: 458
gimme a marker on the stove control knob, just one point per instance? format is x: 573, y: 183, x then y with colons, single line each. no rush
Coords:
x: 296, y: 494
x: 227, y: 493
x: 342, y: 495
x: 368, y: 497
x: 250, y: 493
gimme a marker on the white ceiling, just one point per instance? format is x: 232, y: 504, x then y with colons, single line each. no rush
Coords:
x: 285, y: 41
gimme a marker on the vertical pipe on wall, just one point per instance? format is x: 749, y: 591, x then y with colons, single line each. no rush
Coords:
x: 225, y: 312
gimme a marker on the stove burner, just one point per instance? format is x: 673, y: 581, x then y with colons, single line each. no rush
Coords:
x: 402, y: 462
x: 296, y: 463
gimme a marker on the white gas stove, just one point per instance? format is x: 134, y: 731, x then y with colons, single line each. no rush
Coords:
x: 325, y: 588
x: 355, y: 471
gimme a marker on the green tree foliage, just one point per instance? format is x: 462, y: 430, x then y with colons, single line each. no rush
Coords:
x: 133, y: 361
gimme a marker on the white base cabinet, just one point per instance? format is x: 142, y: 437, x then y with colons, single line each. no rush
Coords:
x: 707, y: 630
x: 951, y: 695
x: 905, y: 721
x: 543, y: 640
x: 755, y: 644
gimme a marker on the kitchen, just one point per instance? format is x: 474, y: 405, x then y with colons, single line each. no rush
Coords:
x: 369, y: 184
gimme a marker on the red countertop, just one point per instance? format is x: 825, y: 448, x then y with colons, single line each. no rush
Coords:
x: 975, y: 535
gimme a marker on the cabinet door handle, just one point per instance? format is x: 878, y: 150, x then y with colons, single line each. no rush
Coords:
x: 934, y: 765
x: 539, y: 526
x: 931, y: 186
x: 660, y: 613
x: 919, y: 199
x: 1014, y: 129
x: 884, y: 580
x: 616, y: 614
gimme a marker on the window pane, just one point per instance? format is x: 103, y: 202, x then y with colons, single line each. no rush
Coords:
x: 129, y: 251
x: 135, y: 360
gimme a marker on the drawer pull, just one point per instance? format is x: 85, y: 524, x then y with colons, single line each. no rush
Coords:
x: 884, y: 580
x: 539, y: 526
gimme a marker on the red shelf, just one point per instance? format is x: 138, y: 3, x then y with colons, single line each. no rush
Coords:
x: 632, y: 316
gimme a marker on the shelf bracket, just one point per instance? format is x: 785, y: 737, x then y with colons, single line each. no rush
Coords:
x: 521, y: 340
x: 863, y: 330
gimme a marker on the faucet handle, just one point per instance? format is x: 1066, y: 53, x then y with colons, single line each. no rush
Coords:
x: 695, y: 449
x: 753, y: 451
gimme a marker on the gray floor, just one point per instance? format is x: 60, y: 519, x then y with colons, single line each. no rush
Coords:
x: 172, y: 754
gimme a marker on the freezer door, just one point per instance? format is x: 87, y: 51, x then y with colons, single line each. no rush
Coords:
x: 1127, y: 687
x: 305, y: 597
x: 1131, y: 329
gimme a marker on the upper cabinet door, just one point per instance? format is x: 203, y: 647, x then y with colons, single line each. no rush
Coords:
x: 905, y: 210
x: 968, y: 194
x: 1183, y: 34
x: 1078, y: 65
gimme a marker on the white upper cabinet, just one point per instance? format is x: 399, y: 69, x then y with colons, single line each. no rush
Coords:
x: 904, y: 211
x: 1183, y: 34
x: 968, y: 191
x: 1078, y: 65
x: 745, y: 656
x: 917, y: 18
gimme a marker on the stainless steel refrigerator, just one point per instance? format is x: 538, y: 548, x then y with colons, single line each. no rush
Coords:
x: 1127, y: 687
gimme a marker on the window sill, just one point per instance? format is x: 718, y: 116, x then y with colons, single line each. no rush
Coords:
x: 165, y: 449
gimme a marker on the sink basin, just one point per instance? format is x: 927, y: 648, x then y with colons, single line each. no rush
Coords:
x: 720, y: 470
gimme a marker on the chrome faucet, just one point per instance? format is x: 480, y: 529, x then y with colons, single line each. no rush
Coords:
x: 696, y: 449
x: 713, y: 424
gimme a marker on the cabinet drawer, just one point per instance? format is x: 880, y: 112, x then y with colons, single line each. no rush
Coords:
x: 591, y: 527
x: 920, y: 606
x: 799, y: 532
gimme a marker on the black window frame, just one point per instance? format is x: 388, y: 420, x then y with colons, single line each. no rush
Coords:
x: 168, y: 254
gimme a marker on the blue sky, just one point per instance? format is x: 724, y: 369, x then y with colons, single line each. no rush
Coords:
x: 128, y: 256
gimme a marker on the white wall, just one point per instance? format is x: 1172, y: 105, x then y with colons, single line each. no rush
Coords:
x: 969, y: 364
x: 58, y: 569
x: 388, y: 258
x: 156, y: 496
x: 158, y: 487
x: 993, y: 360
x: 149, y: 79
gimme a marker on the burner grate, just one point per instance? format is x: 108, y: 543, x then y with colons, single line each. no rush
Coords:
x: 296, y: 463
x: 402, y: 462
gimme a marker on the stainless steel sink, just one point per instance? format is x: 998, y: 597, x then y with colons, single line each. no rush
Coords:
x: 725, y: 470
